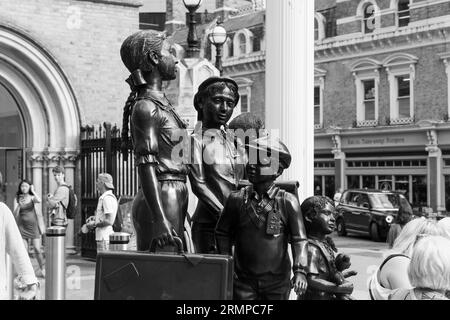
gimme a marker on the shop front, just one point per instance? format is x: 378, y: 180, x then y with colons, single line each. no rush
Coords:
x: 412, y: 160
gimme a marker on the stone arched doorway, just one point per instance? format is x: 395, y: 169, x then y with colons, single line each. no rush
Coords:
x: 46, y: 106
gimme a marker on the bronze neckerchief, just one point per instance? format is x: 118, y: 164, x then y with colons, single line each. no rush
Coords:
x: 263, y: 212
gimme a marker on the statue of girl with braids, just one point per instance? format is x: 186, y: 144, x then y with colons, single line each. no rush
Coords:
x: 160, y: 206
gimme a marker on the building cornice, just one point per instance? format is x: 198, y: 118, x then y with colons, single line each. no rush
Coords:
x: 124, y: 3
x: 383, y: 43
x: 383, y: 130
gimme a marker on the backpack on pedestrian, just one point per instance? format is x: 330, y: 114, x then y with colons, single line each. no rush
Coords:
x: 71, y: 210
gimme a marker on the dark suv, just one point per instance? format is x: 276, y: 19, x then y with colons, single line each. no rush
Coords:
x: 369, y: 212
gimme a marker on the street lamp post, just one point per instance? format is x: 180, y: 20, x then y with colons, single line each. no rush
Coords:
x: 218, y: 37
x: 193, y: 50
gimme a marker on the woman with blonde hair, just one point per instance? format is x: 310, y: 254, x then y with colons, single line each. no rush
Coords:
x: 428, y: 271
x: 392, y: 273
x: 445, y: 225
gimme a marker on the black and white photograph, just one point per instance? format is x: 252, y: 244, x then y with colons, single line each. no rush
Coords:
x: 225, y: 155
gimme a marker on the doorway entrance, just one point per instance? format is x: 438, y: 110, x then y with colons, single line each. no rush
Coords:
x: 12, y: 164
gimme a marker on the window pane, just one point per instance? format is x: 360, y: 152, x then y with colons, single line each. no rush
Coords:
x: 329, y: 186
x: 317, y: 185
x: 370, y: 110
x: 369, y: 89
x: 316, y: 115
x: 385, y: 182
x: 403, y: 13
x: 368, y: 182
x: 404, y: 108
x: 402, y: 185
x: 447, y: 193
x: 353, y: 182
x: 242, y: 44
x: 316, y: 30
x: 403, y: 86
x: 369, y: 19
x: 244, y: 103
x: 316, y: 96
x: 419, y: 186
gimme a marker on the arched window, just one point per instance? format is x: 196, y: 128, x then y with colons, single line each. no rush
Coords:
x: 319, y: 26
x: 403, y: 13
x: 369, y: 13
x: 316, y: 30
x: 242, y: 44
x: 369, y: 18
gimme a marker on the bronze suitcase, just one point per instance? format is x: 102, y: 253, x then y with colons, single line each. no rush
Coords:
x: 132, y: 275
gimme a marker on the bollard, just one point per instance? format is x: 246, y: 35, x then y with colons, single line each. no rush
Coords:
x: 119, y: 241
x: 55, y: 266
x: 10, y: 277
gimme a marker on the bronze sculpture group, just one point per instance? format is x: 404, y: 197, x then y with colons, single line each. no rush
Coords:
x: 258, y: 220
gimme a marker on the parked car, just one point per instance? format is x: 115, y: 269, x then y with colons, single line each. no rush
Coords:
x: 368, y: 211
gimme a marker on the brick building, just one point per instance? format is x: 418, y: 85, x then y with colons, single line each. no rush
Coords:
x: 244, y: 52
x: 382, y: 98
x: 381, y: 91
x: 60, y: 69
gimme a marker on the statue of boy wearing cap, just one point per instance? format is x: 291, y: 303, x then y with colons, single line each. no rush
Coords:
x: 160, y: 207
x: 217, y: 165
x: 259, y: 221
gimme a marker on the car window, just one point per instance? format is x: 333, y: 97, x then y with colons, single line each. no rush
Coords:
x: 362, y: 199
x: 385, y: 200
x: 345, y: 197
x: 353, y: 199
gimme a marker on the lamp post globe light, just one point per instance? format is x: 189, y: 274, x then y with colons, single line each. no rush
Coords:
x: 218, y: 37
x: 193, y: 50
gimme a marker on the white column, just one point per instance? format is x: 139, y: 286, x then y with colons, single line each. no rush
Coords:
x: 37, y: 165
x: 447, y: 72
x: 69, y: 168
x: 290, y: 84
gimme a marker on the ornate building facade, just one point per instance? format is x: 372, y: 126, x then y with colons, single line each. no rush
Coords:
x: 58, y: 72
x: 382, y: 98
x: 381, y: 92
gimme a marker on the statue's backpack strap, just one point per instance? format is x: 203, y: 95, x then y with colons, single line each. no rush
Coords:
x: 244, y: 194
x: 281, y: 198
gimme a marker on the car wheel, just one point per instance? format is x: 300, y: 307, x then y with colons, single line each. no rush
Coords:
x: 374, y: 232
x: 340, y: 228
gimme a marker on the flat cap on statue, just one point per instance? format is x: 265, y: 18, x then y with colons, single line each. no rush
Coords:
x: 273, y: 147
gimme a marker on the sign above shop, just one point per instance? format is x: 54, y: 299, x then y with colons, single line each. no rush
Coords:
x: 374, y: 141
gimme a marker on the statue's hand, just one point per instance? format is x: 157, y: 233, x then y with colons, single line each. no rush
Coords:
x: 164, y: 233
x: 346, y: 287
x: 349, y: 273
x: 299, y: 283
x: 342, y: 262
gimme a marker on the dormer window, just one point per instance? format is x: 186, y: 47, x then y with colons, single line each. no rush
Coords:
x: 369, y: 20
x: 403, y: 13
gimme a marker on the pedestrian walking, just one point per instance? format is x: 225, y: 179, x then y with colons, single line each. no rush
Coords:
x: 11, y: 243
x: 393, y: 271
x: 428, y: 271
x: 106, y: 212
x: 30, y: 221
x: 403, y: 217
x: 59, y: 201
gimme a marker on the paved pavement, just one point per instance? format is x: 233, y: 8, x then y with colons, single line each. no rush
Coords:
x: 365, y: 255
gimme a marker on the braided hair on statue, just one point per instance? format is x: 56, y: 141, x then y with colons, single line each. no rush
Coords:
x: 134, y: 52
x: 127, y: 110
